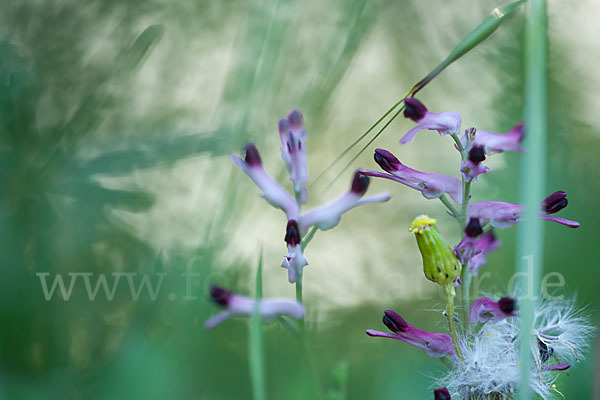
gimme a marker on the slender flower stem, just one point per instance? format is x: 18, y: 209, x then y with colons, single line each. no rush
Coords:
x: 450, y: 316
x: 309, y: 236
x: 444, y: 199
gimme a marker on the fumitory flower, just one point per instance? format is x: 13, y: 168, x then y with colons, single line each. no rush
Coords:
x: 236, y: 304
x: 273, y: 192
x: 436, y: 345
x: 485, y: 309
x: 431, y: 185
x: 503, y: 215
x: 496, y: 142
x: 473, y: 248
x: 293, y: 151
x: 294, y: 260
x: 446, y: 123
x: 472, y: 166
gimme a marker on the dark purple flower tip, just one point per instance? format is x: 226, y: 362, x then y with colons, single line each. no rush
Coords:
x: 296, y: 119
x: 394, y: 322
x: 386, y: 160
x: 507, y: 305
x: 252, y: 155
x: 557, y: 367
x: 473, y: 228
x: 292, y: 233
x: 476, y: 154
x: 414, y: 109
x: 219, y: 295
x: 360, y: 183
x: 545, y: 351
x: 441, y: 394
x: 284, y: 126
x: 555, y: 202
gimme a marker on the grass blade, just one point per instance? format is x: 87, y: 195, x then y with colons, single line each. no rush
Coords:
x: 256, y: 356
x: 531, y: 231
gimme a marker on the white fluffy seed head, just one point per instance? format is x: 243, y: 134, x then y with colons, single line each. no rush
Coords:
x: 491, y: 356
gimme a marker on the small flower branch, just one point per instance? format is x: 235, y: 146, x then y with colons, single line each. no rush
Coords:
x: 450, y: 293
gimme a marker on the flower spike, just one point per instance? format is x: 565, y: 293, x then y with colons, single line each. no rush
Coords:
x: 430, y: 185
x: 327, y: 216
x: 293, y: 151
x: 436, y: 345
x: 446, y: 123
x: 273, y: 192
x: 236, y: 304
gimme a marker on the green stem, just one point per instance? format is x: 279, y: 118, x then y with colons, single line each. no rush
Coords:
x: 444, y: 199
x: 309, y: 237
x: 256, y: 350
x: 450, y: 316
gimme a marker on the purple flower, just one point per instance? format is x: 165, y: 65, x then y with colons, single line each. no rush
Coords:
x: 235, y: 304
x: 473, y: 248
x: 497, y: 143
x: 431, y: 185
x: 472, y: 167
x: 557, y: 367
x: 327, y: 216
x: 441, y: 394
x: 273, y: 192
x: 486, y: 244
x: 294, y: 260
x: 434, y: 344
x: 504, y: 215
x: 293, y: 151
x: 446, y: 123
x: 485, y: 309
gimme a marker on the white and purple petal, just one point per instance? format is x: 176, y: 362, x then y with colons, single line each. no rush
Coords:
x: 273, y: 192
x: 294, y: 152
x: 446, y: 123
x: 485, y: 309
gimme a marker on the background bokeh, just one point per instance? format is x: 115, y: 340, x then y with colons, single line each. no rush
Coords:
x: 116, y: 122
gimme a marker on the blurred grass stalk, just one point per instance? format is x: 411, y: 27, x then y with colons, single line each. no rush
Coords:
x: 256, y: 356
x: 533, y: 175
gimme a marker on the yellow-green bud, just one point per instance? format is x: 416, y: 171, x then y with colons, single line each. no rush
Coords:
x: 439, y: 261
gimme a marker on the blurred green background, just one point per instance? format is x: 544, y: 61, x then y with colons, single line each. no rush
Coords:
x: 117, y: 119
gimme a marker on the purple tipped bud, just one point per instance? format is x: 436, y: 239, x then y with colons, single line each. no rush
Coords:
x: 360, y: 183
x: 292, y: 234
x: 296, y: 119
x: 441, y: 394
x: 284, y: 126
x: 507, y: 305
x: 220, y: 296
x: 545, y: 351
x: 414, y: 110
x: 394, y: 322
x: 555, y: 202
x: 473, y: 228
x: 386, y: 160
x: 476, y: 154
x: 252, y: 155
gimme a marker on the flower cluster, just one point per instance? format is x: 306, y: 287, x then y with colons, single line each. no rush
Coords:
x: 483, y: 354
x: 294, y: 154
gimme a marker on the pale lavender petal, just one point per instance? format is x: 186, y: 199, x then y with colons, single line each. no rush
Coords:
x: 294, y: 260
x: 445, y: 123
x: 273, y: 307
x: 327, y: 216
x: 217, y: 319
x: 496, y: 143
x: 273, y: 192
x: 500, y: 214
x: 293, y: 151
x: 562, y: 221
